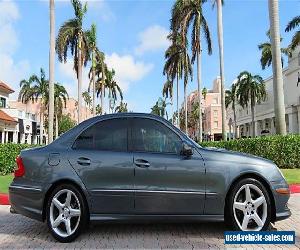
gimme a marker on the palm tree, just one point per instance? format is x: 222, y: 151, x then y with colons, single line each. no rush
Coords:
x: 92, y: 43
x: 112, y: 86
x: 51, y: 71
x: 251, y: 90
x: 100, y: 69
x: 61, y: 96
x: 277, y: 68
x: 160, y: 109
x: 204, y: 92
x: 121, y: 108
x: 168, y: 92
x: 184, y: 14
x: 173, y: 64
x: 295, y: 22
x: 88, y: 101
x: 72, y: 37
x: 266, y: 53
x: 219, y: 4
x: 33, y: 89
x: 178, y: 65
x: 230, y: 98
x: 60, y: 102
x: 98, y: 109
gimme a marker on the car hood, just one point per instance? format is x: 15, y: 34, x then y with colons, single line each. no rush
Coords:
x: 228, y: 155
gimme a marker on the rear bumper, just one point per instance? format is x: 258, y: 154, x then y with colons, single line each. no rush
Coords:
x: 27, y: 201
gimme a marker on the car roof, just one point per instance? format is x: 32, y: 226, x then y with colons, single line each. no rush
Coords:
x: 67, y: 138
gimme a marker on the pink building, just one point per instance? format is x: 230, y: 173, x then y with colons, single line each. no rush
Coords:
x: 211, y: 111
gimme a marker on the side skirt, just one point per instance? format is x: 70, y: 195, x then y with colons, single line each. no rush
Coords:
x: 141, y: 218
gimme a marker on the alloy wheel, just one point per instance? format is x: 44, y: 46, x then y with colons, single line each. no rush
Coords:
x: 250, y: 208
x: 65, y: 213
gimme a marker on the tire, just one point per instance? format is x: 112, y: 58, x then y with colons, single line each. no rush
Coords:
x: 249, y: 213
x: 67, y: 213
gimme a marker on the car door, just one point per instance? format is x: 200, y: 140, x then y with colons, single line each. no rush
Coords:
x: 165, y: 181
x: 101, y: 158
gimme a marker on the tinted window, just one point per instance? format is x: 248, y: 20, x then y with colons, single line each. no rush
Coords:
x: 152, y: 136
x: 105, y: 135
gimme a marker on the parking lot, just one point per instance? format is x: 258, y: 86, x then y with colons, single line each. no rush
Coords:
x: 22, y: 233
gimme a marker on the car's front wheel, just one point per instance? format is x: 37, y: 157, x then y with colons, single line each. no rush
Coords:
x: 66, y: 213
x: 249, y: 206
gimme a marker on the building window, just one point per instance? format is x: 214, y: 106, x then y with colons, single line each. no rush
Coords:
x: 215, y: 101
x: 2, y: 102
x: 215, y: 113
x: 216, y: 124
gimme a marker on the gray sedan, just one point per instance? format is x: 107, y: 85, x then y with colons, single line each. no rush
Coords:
x: 139, y: 167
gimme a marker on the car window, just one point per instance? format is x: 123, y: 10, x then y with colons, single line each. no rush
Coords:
x: 104, y: 135
x: 152, y: 136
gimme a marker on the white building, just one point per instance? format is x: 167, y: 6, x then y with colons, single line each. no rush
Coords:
x: 16, y: 125
x: 265, y: 123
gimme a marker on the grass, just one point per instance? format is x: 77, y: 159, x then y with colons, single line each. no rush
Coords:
x: 5, y: 182
x: 291, y: 175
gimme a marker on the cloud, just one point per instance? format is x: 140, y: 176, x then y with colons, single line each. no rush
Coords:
x: 9, y: 14
x: 152, y: 39
x: 11, y: 71
x: 98, y: 8
x: 128, y: 70
x: 101, y: 9
x: 68, y: 77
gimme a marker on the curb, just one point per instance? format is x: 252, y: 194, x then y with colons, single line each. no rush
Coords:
x: 4, y: 200
x: 294, y: 188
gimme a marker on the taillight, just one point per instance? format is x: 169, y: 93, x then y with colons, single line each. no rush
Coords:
x: 20, y: 171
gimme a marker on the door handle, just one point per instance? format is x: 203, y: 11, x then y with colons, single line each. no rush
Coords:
x: 142, y: 163
x: 84, y: 161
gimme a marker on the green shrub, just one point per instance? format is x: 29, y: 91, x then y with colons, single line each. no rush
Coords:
x: 283, y: 150
x: 8, y: 154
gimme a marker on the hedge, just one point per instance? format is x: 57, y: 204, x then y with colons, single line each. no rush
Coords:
x: 8, y: 154
x: 283, y: 150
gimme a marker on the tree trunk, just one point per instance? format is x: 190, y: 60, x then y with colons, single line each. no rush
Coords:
x: 79, y: 82
x: 51, y: 71
x: 221, y: 58
x: 177, y: 102
x: 199, y: 95
x: 252, y: 118
x: 102, y: 90
x: 172, y: 108
x: 277, y: 68
x: 56, y: 126
x: 41, y: 122
x: 235, y: 126
x: 94, y: 87
x: 185, y: 110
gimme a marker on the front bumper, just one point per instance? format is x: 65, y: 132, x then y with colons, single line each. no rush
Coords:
x: 281, y: 201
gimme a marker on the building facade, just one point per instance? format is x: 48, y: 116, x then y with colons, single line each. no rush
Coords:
x: 16, y: 125
x: 265, y: 123
x: 211, y: 112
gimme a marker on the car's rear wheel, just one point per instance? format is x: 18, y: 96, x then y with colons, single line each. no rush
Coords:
x: 66, y: 213
x: 249, y: 206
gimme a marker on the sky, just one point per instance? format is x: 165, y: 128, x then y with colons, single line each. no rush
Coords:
x: 132, y: 34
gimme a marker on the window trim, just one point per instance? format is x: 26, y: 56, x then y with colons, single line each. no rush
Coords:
x: 130, y: 139
x: 108, y: 150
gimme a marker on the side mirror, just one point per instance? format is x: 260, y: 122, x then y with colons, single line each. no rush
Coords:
x: 187, y: 149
